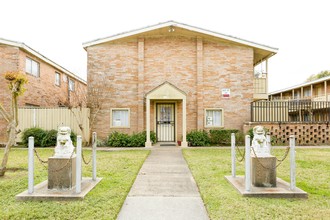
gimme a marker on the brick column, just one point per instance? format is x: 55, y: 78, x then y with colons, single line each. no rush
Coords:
x: 200, y: 79
x: 140, y: 95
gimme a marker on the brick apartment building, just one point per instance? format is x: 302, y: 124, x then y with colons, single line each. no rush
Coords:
x: 172, y: 78
x: 49, y: 84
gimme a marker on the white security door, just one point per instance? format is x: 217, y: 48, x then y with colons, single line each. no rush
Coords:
x: 165, y: 122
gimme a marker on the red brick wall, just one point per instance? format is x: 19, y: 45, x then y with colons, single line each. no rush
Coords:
x: 115, y: 68
x: 8, y: 62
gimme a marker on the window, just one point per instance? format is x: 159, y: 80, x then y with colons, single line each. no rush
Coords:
x: 120, y: 117
x: 32, y: 67
x: 57, y: 79
x: 307, y: 93
x: 213, y: 118
x: 71, y: 85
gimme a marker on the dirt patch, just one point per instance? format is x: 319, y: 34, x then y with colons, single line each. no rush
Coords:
x: 15, y: 169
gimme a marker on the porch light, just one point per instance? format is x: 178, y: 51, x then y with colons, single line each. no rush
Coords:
x: 171, y: 29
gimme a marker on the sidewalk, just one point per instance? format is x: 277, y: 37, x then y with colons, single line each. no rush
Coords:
x: 164, y: 189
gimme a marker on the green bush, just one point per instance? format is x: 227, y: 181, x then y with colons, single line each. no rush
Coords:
x: 44, y: 138
x: 49, y: 139
x: 73, y: 137
x: 198, y: 138
x: 116, y: 139
x: 222, y: 136
x: 37, y: 133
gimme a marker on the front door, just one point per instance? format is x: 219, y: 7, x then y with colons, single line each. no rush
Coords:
x: 165, y: 122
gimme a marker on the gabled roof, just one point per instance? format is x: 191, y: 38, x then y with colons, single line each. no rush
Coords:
x: 166, y: 90
x: 273, y: 50
x: 301, y: 85
x: 40, y: 56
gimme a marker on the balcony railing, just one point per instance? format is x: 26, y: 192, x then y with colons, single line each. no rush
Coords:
x: 290, y: 111
x: 260, y: 85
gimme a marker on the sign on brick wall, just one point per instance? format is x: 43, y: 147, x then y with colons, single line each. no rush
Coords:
x: 225, y: 93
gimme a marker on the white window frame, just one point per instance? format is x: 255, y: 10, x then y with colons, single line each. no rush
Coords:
x: 57, y: 79
x: 29, y: 69
x: 214, y: 126
x: 71, y: 82
x: 128, y: 119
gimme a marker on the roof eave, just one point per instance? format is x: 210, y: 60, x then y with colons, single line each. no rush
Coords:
x: 40, y: 56
x: 188, y: 27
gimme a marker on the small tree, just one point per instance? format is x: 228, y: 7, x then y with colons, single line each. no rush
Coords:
x: 16, y: 81
x: 320, y: 75
x: 80, y: 99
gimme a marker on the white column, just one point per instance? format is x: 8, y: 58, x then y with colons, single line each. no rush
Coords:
x: 78, y: 165
x: 247, y: 164
x: 292, y: 163
x: 184, y: 124
x: 233, y: 156
x: 94, y: 139
x: 31, y: 166
x: 148, y: 142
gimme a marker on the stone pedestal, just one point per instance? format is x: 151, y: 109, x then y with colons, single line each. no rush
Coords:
x: 61, y: 173
x: 263, y: 171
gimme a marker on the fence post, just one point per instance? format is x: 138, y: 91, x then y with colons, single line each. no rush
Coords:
x: 292, y: 163
x: 31, y: 166
x: 94, y: 139
x: 268, y: 143
x: 247, y: 164
x: 233, y: 156
x: 34, y: 118
x: 78, y: 165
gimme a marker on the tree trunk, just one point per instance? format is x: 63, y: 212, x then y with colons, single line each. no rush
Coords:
x: 10, y: 143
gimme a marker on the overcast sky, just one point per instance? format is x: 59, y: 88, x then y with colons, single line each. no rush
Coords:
x: 57, y: 29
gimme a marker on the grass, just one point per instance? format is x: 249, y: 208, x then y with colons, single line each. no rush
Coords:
x: 118, y: 169
x: 209, y: 166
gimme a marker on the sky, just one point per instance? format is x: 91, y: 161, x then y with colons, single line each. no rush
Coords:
x: 57, y: 29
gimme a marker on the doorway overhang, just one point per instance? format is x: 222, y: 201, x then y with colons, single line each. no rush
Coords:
x: 166, y: 91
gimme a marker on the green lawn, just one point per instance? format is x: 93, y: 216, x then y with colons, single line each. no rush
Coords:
x: 118, y: 170
x: 209, y: 166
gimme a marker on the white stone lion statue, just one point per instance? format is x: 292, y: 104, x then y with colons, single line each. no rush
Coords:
x: 259, y: 142
x: 64, y: 146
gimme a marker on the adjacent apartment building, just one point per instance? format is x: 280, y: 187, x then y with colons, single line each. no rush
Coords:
x: 172, y: 78
x: 49, y: 84
x: 306, y: 102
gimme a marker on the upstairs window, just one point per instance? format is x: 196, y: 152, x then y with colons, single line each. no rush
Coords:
x: 71, y: 85
x: 57, y: 79
x: 32, y: 67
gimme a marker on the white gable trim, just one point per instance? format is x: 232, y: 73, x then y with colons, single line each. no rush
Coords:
x: 40, y: 56
x: 188, y: 27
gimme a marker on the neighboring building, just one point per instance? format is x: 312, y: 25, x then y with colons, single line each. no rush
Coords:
x: 49, y: 84
x: 172, y: 78
x: 306, y: 102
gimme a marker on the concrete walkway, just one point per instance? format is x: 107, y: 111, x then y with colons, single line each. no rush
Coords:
x: 164, y: 189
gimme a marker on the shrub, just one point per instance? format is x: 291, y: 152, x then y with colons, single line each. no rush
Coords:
x: 37, y: 133
x: 49, y: 139
x: 198, y: 138
x: 221, y: 136
x: 44, y: 138
x: 116, y: 139
x: 73, y: 137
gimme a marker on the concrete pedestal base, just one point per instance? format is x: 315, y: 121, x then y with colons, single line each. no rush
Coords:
x: 61, y: 173
x: 263, y: 171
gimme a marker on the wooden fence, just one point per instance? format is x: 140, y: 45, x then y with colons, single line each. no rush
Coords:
x: 51, y: 118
